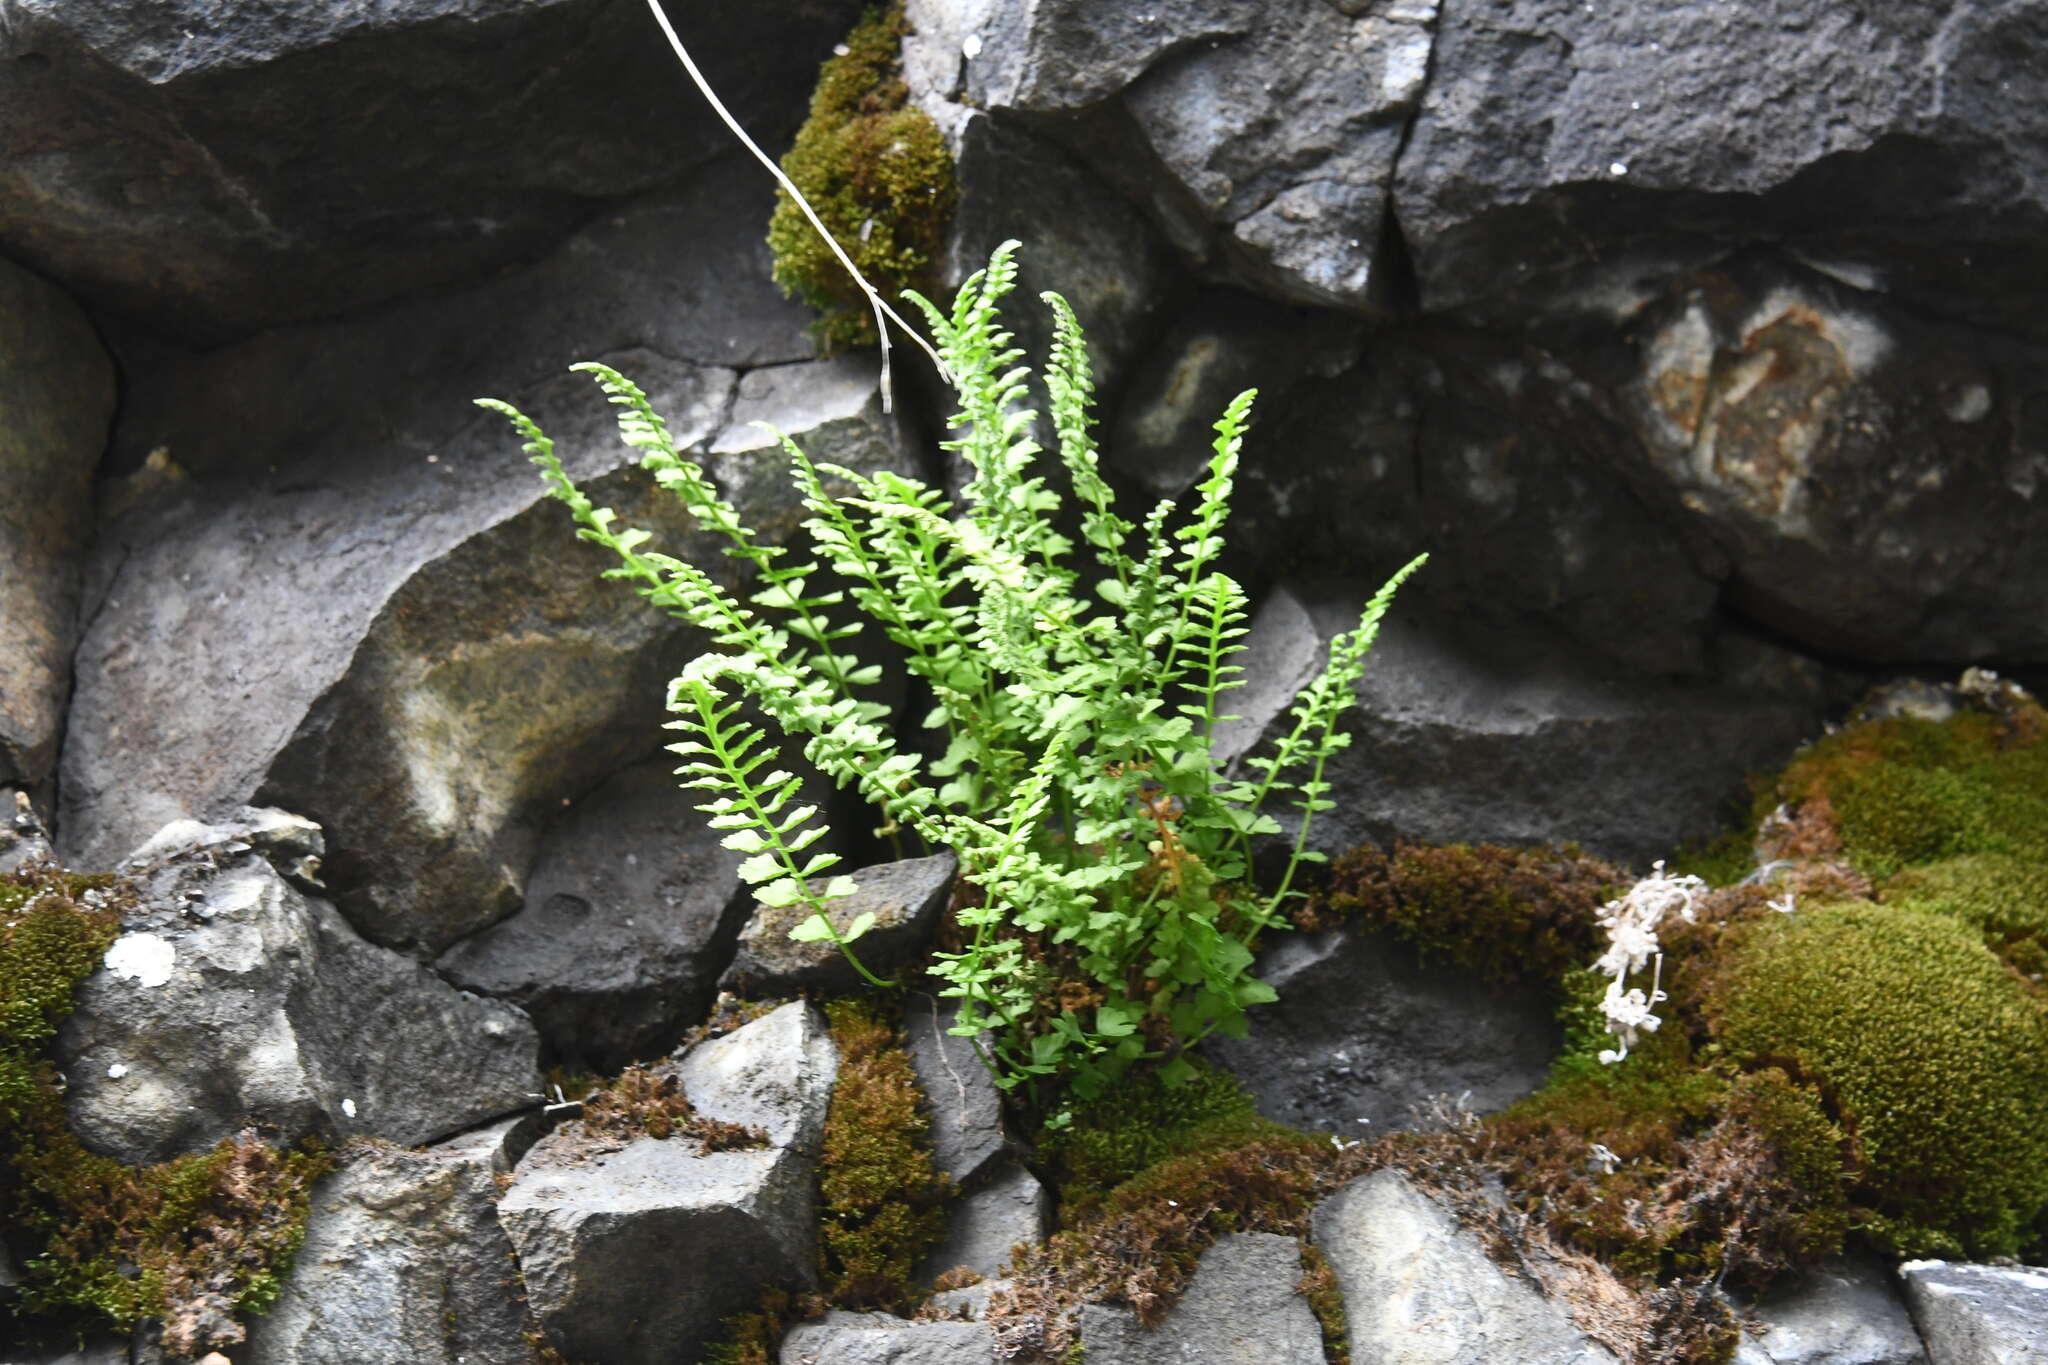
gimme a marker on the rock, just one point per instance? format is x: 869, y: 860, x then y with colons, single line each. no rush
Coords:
x: 969, y: 1304
x: 423, y: 659
x: 100, y: 1351
x: 1979, y: 1314
x: 1503, y: 734
x: 1288, y: 191
x: 1419, y: 1290
x: 300, y: 161
x: 1845, y: 1315
x: 631, y: 911
x: 1868, y: 478
x: 1365, y: 1034
x: 404, y: 1260
x: 966, y: 1132
x: 1240, y: 1308
x: 878, y: 1339
x: 1553, y: 138
x: 22, y: 836
x: 243, y: 1001
x: 57, y: 389
x: 634, y: 1251
x: 1081, y: 239
x: 982, y: 1227
x: 906, y: 899
x: 1481, y: 448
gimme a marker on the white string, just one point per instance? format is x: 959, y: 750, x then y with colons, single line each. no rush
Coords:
x: 884, y: 314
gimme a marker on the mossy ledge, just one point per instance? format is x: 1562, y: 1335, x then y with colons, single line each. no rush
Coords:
x: 879, y: 175
x: 197, y: 1243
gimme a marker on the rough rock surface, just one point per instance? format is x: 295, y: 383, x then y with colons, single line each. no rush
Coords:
x: 1508, y: 735
x: 423, y: 658
x: 1894, y: 144
x: 879, y: 1339
x: 1979, y: 1314
x: 56, y: 403
x: 634, y: 1250
x: 1364, y: 1034
x: 1240, y: 1308
x: 1262, y: 135
x: 1009, y: 1207
x: 404, y: 1260
x: 1419, y: 1290
x: 905, y: 897
x: 212, y: 170
x: 265, y: 1007
x: 966, y: 1130
x: 631, y: 911
x: 1866, y: 481
x: 1849, y: 1314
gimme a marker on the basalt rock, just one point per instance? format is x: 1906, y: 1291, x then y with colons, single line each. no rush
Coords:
x: 57, y: 397
x: 232, y: 998
x: 1240, y: 1308
x: 404, y: 1260
x: 396, y: 634
x: 1420, y: 1290
x: 634, y: 1249
x: 213, y: 170
x: 631, y: 910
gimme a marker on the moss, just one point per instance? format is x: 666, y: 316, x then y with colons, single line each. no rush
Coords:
x: 2003, y: 897
x: 1513, y: 916
x: 1325, y: 1298
x: 1721, y: 861
x: 882, y: 1206
x: 1903, y: 790
x: 880, y: 177
x: 198, y: 1242
x: 1140, y: 1123
x: 1931, y: 1053
x: 651, y: 1103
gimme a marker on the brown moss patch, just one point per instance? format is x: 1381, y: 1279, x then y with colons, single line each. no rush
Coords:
x: 1510, y: 915
x: 882, y: 1206
x: 649, y: 1102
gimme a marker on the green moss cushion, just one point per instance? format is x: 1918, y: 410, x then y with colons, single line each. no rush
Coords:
x: 1932, y: 1051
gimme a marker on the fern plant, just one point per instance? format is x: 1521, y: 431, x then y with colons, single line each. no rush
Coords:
x: 1111, y: 919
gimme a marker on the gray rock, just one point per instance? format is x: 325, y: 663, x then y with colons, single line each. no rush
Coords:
x: 1364, y: 1034
x: 423, y: 659
x: 1552, y: 136
x: 1506, y: 734
x: 245, y: 1001
x: 101, y: 1351
x: 404, y: 1260
x: 634, y: 1251
x: 1288, y: 190
x: 298, y: 161
x: 1979, y: 1314
x: 1240, y: 1308
x: 1867, y: 479
x: 22, y: 836
x: 966, y: 1130
x: 1081, y: 239
x: 878, y: 1339
x: 1480, y: 447
x: 984, y: 1224
x: 1419, y: 1290
x: 57, y: 389
x: 1849, y: 1314
x: 631, y: 911
x: 969, y: 1304
x: 906, y: 899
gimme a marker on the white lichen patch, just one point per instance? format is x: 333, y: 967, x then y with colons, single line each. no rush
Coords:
x: 146, y: 959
